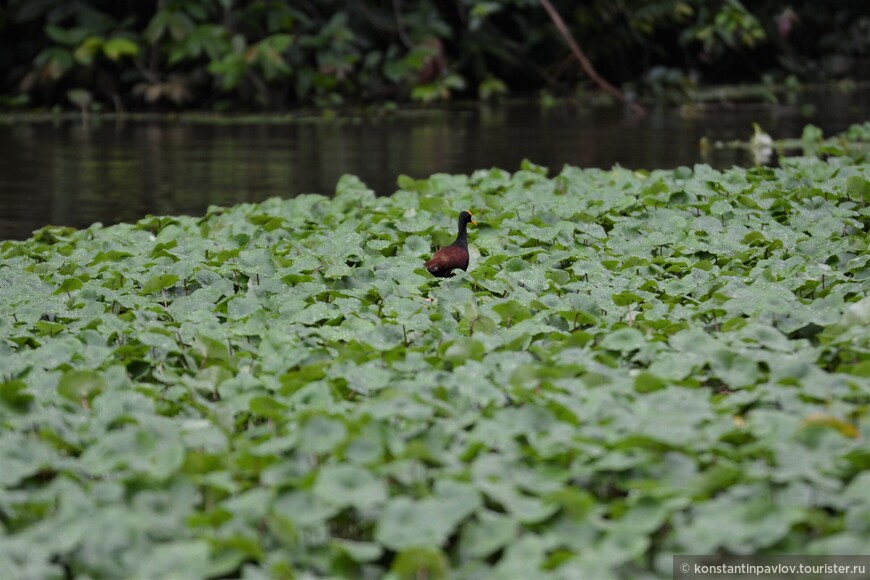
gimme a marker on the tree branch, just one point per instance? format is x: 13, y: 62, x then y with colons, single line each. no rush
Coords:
x: 401, y: 25
x: 636, y: 108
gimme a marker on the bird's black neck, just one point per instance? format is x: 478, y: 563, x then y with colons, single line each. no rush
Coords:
x: 462, y: 237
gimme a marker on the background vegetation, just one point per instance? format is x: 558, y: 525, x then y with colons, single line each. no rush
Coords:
x: 218, y: 54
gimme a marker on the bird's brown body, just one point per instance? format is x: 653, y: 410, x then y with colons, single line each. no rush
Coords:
x: 454, y: 256
x: 446, y: 260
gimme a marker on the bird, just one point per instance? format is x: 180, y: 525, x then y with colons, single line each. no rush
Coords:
x: 454, y: 256
x: 761, y: 145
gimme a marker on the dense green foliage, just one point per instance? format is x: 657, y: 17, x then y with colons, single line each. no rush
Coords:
x: 220, y: 53
x: 636, y: 364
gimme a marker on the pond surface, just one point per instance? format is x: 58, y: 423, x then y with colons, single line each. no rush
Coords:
x: 69, y: 173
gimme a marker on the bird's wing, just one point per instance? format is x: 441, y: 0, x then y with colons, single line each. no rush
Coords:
x: 447, y: 259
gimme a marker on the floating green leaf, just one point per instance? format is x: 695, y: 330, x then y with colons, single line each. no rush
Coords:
x: 81, y: 384
x: 159, y: 282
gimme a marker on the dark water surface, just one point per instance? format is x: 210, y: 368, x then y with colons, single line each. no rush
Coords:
x: 73, y: 174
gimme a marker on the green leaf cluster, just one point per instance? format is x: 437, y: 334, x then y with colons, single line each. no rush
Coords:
x: 636, y: 364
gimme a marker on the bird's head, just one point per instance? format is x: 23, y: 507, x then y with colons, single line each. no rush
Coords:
x: 465, y: 217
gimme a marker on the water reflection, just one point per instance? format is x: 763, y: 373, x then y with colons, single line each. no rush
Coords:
x: 70, y: 174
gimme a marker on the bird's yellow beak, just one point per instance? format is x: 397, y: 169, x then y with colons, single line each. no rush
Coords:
x: 472, y: 217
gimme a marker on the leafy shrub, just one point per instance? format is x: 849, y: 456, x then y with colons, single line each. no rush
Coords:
x: 220, y: 54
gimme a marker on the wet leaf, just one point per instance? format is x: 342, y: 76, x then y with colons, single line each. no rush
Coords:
x: 159, y: 282
x: 78, y: 385
x: 624, y: 340
x: 348, y: 485
x: 823, y: 420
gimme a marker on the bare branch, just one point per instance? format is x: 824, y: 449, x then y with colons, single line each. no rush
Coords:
x: 636, y: 108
